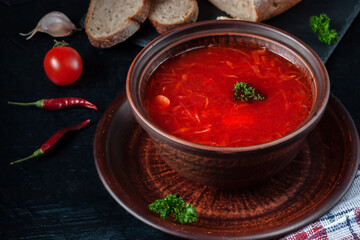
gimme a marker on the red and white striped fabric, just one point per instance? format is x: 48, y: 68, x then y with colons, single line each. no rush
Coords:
x: 341, y: 223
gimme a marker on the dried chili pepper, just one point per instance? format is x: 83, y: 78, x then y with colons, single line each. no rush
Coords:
x: 58, y: 103
x: 52, y: 141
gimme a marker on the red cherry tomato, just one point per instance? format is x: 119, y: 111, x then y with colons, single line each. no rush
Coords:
x: 63, y: 65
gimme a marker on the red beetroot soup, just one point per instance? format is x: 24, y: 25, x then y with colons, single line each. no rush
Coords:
x: 191, y: 96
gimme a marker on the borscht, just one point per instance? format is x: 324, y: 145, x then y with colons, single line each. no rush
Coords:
x: 192, y: 96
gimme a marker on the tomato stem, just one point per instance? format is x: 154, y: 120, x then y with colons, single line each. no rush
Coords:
x: 60, y: 44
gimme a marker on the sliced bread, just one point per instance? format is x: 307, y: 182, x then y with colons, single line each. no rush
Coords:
x: 168, y: 14
x: 254, y: 10
x: 109, y: 22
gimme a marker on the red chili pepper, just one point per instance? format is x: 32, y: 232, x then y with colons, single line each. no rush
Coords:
x: 58, y: 103
x: 52, y: 141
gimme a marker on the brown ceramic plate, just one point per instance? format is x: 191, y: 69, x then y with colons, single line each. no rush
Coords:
x: 314, y: 182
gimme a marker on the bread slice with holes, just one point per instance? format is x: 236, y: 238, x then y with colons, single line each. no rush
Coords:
x: 254, y: 10
x: 168, y: 14
x: 109, y: 22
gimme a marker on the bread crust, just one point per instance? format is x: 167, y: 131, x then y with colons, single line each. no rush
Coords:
x: 162, y: 28
x: 271, y: 8
x: 128, y: 29
x: 263, y: 9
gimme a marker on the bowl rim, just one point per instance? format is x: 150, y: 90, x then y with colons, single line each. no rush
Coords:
x: 309, y: 125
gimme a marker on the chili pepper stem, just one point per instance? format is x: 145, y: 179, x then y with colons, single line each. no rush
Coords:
x: 38, y: 103
x: 37, y: 153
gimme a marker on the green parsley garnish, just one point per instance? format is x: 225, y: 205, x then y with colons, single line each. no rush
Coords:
x: 175, y: 206
x: 320, y: 25
x: 246, y: 93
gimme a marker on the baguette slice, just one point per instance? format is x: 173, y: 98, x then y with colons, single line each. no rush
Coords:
x: 168, y: 14
x: 109, y: 22
x: 254, y: 10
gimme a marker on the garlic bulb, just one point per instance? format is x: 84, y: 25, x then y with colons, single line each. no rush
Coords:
x: 55, y: 24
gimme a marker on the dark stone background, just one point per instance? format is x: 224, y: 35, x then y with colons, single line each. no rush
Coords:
x: 60, y: 196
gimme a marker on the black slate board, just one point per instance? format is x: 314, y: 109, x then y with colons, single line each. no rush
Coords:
x: 294, y: 21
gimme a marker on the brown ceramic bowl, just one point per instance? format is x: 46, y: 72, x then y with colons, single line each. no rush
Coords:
x: 227, y: 167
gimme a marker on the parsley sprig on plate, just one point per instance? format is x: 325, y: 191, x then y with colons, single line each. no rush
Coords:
x: 173, y: 205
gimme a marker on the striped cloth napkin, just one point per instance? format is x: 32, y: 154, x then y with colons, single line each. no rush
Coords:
x: 341, y: 223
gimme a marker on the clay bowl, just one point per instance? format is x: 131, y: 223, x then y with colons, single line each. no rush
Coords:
x: 227, y: 167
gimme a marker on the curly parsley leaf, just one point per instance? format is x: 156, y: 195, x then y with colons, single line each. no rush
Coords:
x: 320, y: 25
x: 186, y: 214
x: 175, y: 206
x: 246, y: 93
